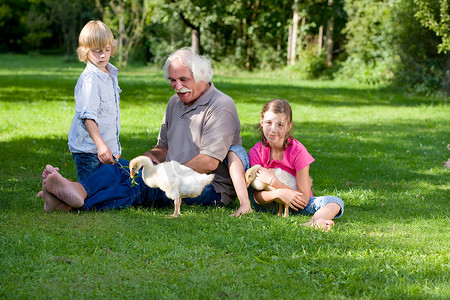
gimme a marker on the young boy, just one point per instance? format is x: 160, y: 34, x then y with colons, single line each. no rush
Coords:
x: 94, y: 132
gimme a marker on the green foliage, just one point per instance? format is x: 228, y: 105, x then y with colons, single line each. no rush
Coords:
x: 12, y: 29
x: 69, y: 17
x: 251, y: 34
x: 379, y: 150
x: 387, y: 45
x: 369, y: 42
x: 126, y: 19
x: 439, y: 24
x: 38, y: 25
x: 311, y: 65
x: 377, y: 42
x: 421, y: 67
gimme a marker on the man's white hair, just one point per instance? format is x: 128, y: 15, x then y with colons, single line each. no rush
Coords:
x: 199, y: 65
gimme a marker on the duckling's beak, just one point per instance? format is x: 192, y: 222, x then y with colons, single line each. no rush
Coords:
x: 132, y: 173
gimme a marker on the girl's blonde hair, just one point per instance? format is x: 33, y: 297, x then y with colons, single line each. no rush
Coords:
x: 277, y: 106
x: 95, y: 35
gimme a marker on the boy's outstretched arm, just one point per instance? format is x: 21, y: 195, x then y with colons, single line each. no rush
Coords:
x: 104, y: 153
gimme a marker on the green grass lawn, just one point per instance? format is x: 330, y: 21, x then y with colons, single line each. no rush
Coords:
x: 378, y: 149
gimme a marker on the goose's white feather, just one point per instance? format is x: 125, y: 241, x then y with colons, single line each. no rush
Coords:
x: 175, y: 179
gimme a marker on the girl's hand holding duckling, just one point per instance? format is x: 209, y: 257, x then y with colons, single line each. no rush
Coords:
x: 266, y: 175
x: 292, y: 198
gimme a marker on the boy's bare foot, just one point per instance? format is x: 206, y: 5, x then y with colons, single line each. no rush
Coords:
x: 323, y: 224
x: 72, y: 193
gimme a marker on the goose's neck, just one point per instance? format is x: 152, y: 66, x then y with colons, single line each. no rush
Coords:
x: 148, y: 167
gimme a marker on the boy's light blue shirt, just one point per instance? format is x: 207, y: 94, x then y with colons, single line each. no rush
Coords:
x: 97, y: 97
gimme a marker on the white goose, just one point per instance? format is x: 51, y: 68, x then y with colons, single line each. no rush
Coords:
x: 283, y: 176
x: 175, y: 179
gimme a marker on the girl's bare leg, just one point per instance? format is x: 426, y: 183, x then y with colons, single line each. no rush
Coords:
x: 237, y: 174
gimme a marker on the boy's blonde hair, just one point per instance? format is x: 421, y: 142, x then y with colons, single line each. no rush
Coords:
x: 95, y: 35
x: 277, y: 106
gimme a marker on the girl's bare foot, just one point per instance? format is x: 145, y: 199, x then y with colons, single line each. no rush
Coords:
x: 323, y: 224
x: 72, y: 193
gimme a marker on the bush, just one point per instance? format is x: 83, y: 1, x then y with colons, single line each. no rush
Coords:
x: 387, y: 45
x: 311, y: 65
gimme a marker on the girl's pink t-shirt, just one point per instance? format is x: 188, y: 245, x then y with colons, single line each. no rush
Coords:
x: 295, y: 157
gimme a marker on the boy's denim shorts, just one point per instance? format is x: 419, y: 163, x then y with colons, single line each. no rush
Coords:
x: 86, y: 163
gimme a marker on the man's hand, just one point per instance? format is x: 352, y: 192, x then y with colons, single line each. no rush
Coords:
x: 152, y: 157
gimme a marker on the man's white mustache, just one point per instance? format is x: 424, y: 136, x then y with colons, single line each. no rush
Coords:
x: 183, y: 90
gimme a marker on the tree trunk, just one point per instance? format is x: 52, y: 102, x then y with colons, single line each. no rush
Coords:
x: 289, y: 46
x: 195, y: 32
x: 195, y: 40
x: 295, y: 19
x: 330, y: 26
x: 121, y: 36
x: 320, y: 41
x: 302, y: 35
x: 246, y: 42
x: 248, y: 53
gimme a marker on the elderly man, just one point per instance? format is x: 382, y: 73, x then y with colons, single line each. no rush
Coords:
x: 199, y: 128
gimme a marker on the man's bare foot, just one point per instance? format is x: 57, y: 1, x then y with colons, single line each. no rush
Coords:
x: 72, y: 193
x: 51, y: 203
x: 323, y: 224
x: 48, y: 170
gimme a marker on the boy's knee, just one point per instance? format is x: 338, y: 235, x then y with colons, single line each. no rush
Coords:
x: 77, y: 203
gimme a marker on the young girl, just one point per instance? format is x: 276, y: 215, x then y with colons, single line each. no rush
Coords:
x: 277, y: 149
x: 94, y: 132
